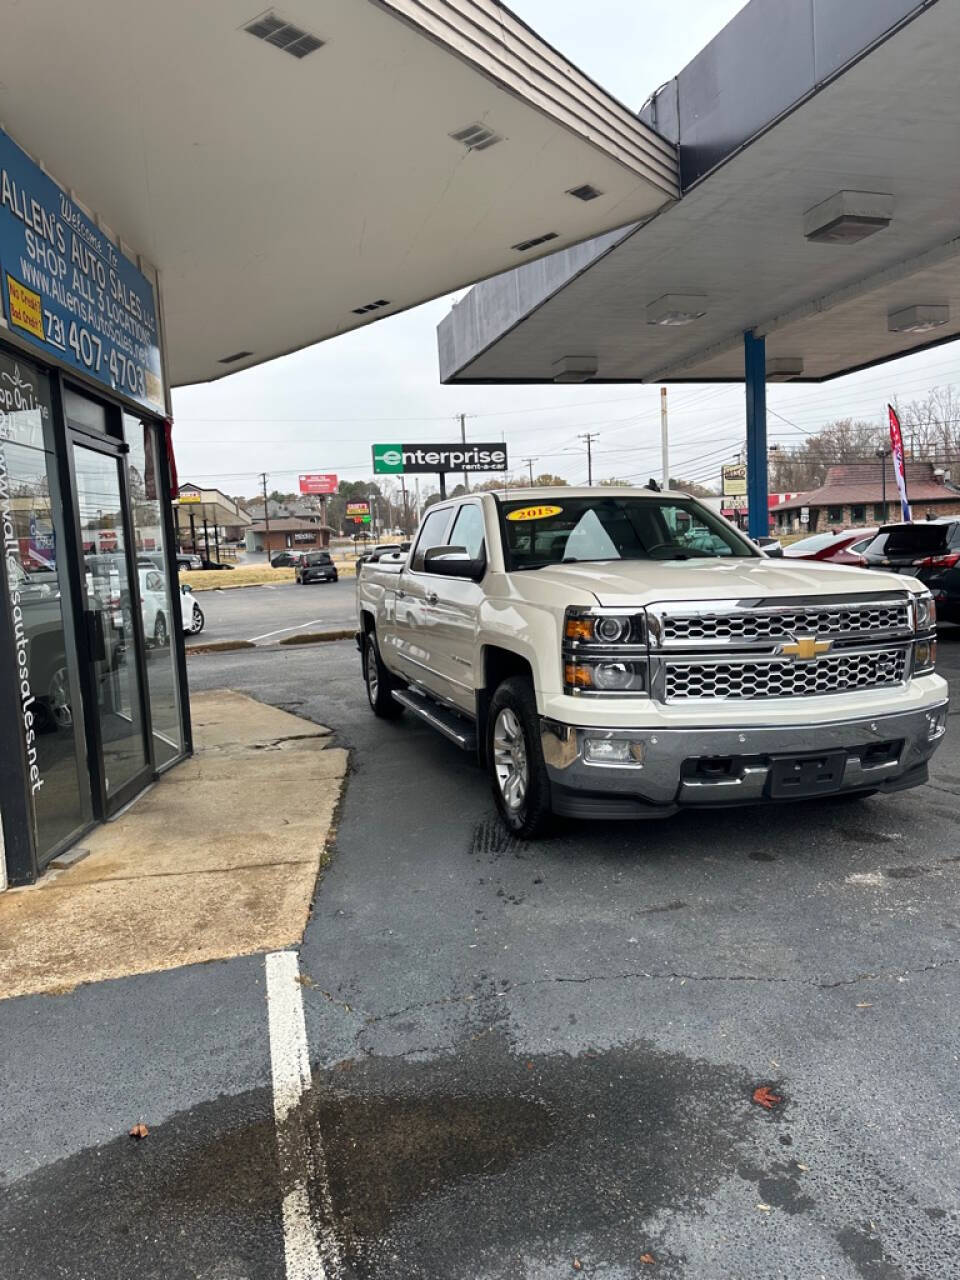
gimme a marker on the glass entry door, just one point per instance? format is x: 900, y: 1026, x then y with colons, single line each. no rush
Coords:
x: 114, y: 678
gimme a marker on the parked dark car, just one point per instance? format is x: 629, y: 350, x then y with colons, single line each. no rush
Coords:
x: 316, y: 566
x: 926, y: 550
x: 836, y: 546
x: 286, y: 559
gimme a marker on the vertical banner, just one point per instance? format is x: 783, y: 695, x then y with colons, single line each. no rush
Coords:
x: 896, y: 444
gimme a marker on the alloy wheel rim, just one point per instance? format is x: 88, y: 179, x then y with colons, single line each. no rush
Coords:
x: 510, y: 759
x: 60, y: 698
x: 373, y: 679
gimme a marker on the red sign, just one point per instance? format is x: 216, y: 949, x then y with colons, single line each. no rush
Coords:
x: 323, y: 484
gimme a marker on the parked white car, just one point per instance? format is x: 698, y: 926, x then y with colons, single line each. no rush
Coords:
x: 153, y: 602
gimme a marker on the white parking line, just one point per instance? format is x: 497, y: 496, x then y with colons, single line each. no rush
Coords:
x: 298, y: 627
x: 309, y: 1243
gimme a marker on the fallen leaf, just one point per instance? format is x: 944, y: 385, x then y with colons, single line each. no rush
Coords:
x: 139, y: 1131
x: 764, y: 1097
x: 648, y: 1259
x: 305, y: 980
x: 764, y: 1207
x: 577, y: 1264
x: 802, y: 1167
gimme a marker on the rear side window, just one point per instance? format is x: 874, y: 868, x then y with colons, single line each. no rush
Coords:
x: 916, y: 539
x: 431, y: 535
x: 468, y: 530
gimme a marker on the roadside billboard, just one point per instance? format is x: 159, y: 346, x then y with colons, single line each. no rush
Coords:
x: 427, y: 459
x: 357, y: 509
x: 318, y: 483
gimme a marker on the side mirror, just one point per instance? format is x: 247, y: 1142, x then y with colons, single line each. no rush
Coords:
x: 775, y: 552
x: 454, y: 562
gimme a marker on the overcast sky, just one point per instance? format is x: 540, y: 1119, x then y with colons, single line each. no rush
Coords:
x: 321, y: 409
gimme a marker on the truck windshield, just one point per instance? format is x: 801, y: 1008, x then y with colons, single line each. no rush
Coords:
x: 571, y: 530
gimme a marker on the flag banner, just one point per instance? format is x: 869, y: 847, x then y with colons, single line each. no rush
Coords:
x: 896, y: 444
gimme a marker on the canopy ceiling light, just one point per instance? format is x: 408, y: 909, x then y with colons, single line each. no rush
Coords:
x: 677, y: 309
x: 784, y: 368
x: 847, y: 217
x: 918, y: 319
x: 575, y: 369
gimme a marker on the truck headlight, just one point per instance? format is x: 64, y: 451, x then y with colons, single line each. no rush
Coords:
x: 606, y: 677
x: 924, y: 612
x: 605, y: 651
x: 924, y: 656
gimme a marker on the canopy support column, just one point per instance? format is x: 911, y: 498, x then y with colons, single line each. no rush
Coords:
x: 755, y: 373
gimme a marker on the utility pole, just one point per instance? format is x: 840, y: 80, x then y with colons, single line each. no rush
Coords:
x: 266, y: 518
x: 529, y: 462
x: 463, y: 438
x: 589, y: 437
x: 664, y: 441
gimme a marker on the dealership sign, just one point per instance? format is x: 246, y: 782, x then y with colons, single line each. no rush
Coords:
x: 68, y: 291
x: 358, y: 509
x: 734, y: 480
x: 425, y: 459
x: 322, y: 484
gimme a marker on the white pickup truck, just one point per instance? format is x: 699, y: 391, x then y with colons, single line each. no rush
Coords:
x: 624, y: 653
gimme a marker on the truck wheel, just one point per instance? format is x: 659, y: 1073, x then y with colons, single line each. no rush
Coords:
x: 518, y: 774
x: 380, y: 683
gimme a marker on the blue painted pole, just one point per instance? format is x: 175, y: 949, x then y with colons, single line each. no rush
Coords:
x: 755, y: 373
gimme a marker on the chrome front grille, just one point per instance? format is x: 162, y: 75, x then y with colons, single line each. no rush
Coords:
x: 784, y: 623
x: 750, y: 679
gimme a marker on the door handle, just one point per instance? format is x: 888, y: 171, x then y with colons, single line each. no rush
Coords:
x: 432, y: 597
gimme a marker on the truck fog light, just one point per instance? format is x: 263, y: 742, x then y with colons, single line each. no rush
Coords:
x: 936, y: 724
x: 612, y: 751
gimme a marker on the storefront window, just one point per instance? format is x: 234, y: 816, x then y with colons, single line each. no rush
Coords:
x: 161, y: 614
x: 35, y: 583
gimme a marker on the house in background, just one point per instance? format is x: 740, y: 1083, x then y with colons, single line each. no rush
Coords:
x: 853, y: 495
x: 286, y: 535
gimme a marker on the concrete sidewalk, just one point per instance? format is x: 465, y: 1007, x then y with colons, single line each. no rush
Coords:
x: 220, y: 858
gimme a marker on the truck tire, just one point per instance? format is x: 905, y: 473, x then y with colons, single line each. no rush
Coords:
x: 518, y: 774
x: 379, y: 682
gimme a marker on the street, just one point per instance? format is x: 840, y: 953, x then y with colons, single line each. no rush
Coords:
x: 266, y: 614
x: 526, y: 1060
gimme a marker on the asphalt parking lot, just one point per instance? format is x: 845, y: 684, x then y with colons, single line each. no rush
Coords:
x: 264, y: 615
x: 528, y: 1060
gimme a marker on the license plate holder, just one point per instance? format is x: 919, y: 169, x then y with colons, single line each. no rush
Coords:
x: 815, y: 774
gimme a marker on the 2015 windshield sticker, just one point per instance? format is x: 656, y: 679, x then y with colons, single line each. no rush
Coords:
x: 534, y: 513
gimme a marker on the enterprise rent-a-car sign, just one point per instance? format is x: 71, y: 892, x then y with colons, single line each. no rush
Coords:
x: 422, y: 459
x: 67, y: 290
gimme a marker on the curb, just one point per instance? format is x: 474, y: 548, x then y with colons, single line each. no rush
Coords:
x: 318, y: 637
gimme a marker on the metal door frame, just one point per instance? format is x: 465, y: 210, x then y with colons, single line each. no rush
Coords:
x: 116, y: 448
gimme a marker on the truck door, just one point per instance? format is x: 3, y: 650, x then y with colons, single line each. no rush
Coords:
x: 451, y: 612
x: 411, y: 641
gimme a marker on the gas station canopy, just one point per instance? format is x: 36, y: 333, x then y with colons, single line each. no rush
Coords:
x: 299, y: 172
x: 820, y: 161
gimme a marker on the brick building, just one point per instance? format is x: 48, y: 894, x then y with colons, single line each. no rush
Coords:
x: 853, y: 495
x: 289, y: 534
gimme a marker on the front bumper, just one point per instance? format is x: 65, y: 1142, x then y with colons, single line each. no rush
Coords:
x: 680, y: 768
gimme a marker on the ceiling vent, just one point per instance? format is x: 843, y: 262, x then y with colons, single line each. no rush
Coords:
x: 675, y: 309
x: 918, y: 319
x: 476, y: 137
x: 283, y: 35
x: 575, y: 369
x: 237, y: 355
x: 784, y: 369
x: 524, y: 245
x: 371, y: 306
x: 586, y: 192
x: 847, y: 217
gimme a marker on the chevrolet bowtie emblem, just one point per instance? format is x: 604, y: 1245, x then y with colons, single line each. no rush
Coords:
x: 806, y: 648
